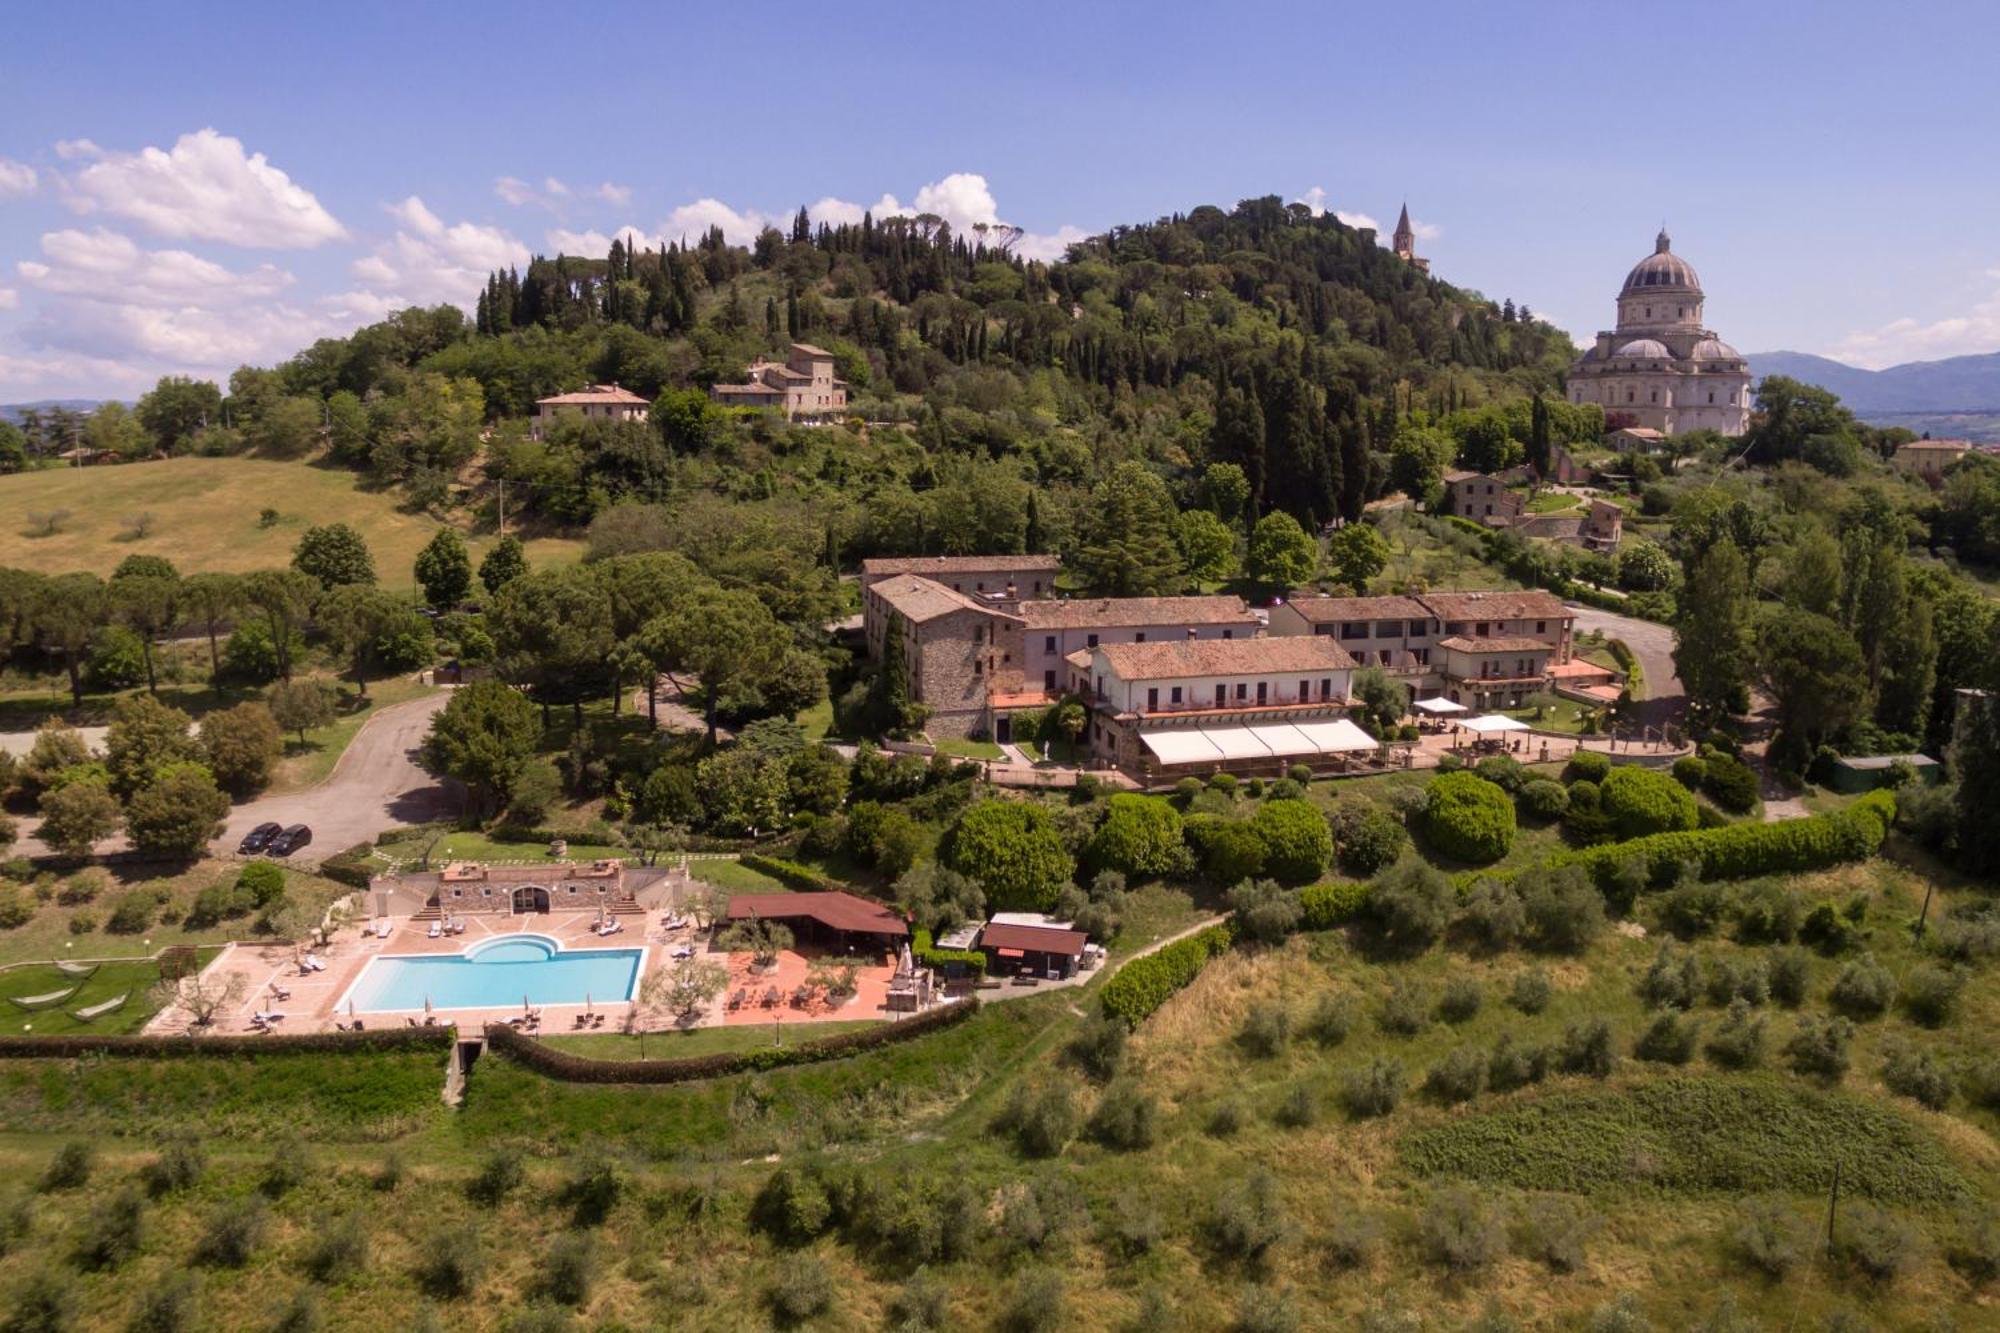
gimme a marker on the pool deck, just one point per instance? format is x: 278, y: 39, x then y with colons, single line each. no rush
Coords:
x: 311, y: 998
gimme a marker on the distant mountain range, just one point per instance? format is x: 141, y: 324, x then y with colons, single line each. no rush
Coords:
x: 1958, y: 384
x: 13, y: 411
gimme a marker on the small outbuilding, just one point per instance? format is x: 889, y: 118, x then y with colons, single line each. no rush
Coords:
x: 839, y: 918
x: 1052, y: 952
x: 1864, y: 773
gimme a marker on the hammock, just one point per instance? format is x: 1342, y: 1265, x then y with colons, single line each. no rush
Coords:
x: 33, y: 1002
x: 75, y: 969
x: 92, y: 1013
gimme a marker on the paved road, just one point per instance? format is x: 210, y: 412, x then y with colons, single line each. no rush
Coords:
x: 375, y: 787
x: 1653, y: 645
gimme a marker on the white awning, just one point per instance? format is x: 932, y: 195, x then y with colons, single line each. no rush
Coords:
x: 1237, y: 742
x: 1439, y: 706
x: 1180, y: 747
x: 1336, y: 737
x: 1282, y: 738
x: 1493, y: 722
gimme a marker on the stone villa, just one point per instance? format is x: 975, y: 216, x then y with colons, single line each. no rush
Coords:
x: 596, y: 402
x: 804, y: 387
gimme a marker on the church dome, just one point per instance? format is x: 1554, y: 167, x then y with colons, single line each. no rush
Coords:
x: 1714, y: 349
x: 1662, y: 269
x: 1645, y: 349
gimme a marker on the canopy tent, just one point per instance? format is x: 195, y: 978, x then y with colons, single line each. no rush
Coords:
x: 1439, y: 706
x: 1492, y: 723
x: 1180, y: 747
x: 1336, y: 737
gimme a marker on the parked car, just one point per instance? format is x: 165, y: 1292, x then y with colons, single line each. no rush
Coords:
x: 289, y: 841
x: 257, y: 839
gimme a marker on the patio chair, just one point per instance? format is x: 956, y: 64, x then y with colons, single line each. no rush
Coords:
x: 597, y: 1020
x: 437, y: 929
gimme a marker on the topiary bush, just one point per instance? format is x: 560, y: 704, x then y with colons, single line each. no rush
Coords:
x: 1468, y: 818
x: 1544, y: 799
x: 1730, y: 783
x: 1140, y: 838
x: 1689, y: 771
x: 1639, y: 802
x: 1297, y: 844
x: 1586, y: 766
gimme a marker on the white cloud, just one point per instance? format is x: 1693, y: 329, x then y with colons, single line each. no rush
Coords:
x: 107, y: 266
x: 9, y: 298
x: 16, y: 178
x: 71, y: 150
x: 1426, y: 231
x: 205, y: 188
x: 1316, y: 200
x: 687, y: 223
x: 1908, y: 339
x: 594, y: 243
x: 555, y: 195
x: 27, y: 378
x: 427, y: 262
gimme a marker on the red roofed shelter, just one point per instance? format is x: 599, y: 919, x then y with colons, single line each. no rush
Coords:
x: 839, y: 918
x: 1041, y: 951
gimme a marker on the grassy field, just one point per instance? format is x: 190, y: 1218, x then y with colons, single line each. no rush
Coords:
x: 964, y: 748
x: 134, y: 980
x: 698, y: 1041
x: 206, y: 516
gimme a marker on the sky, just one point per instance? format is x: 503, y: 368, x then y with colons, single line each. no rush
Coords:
x: 185, y: 189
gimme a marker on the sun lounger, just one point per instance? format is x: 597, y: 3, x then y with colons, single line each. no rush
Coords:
x: 437, y: 929
x: 268, y: 1015
x: 314, y: 963
x: 279, y: 992
x: 49, y: 1000
x: 91, y: 1013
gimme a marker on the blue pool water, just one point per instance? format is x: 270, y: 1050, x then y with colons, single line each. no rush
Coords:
x: 497, y: 974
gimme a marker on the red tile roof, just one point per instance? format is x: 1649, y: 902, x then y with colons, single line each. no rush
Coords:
x: 1176, y: 658
x: 595, y: 395
x: 1460, y: 643
x: 1121, y: 612
x: 1041, y: 939
x: 838, y: 911
x: 1531, y: 605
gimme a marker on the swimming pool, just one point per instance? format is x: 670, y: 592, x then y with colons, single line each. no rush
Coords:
x: 496, y: 974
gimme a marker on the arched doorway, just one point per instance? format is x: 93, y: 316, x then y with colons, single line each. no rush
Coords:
x: 531, y: 898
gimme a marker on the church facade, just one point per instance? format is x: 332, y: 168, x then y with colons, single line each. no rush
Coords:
x: 1660, y: 368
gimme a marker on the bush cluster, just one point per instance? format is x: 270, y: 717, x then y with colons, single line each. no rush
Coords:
x: 1468, y: 818
x: 1741, y: 851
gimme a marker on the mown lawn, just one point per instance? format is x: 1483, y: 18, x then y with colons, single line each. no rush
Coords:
x: 135, y: 980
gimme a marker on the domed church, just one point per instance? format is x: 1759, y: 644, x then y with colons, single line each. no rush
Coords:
x: 1660, y: 368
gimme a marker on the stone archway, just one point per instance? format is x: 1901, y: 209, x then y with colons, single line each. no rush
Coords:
x: 530, y: 898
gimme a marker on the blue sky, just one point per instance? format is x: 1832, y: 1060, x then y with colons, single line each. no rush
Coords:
x: 184, y: 188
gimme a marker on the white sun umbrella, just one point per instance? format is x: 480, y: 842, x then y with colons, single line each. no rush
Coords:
x: 427, y: 1003
x: 1492, y: 723
x: 1439, y: 707
x: 586, y: 1002
x: 526, y: 1008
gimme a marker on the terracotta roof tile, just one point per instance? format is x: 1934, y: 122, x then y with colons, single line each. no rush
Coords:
x: 840, y: 911
x: 1041, y: 939
x: 1534, y: 604
x: 1360, y: 608
x: 596, y: 395
x: 919, y: 599
x: 962, y: 564
x: 1225, y: 657
x: 1092, y: 612
x: 1505, y: 645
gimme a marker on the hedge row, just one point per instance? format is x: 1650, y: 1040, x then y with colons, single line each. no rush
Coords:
x: 174, y: 1048
x: 1144, y: 984
x: 791, y: 874
x: 353, y: 867
x: 1324, y: 906
x: 1738, y: 851
x: 552, y: 1063
x: 924, y: 950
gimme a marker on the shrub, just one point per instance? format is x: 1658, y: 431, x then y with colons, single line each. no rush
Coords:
x: 1531, y: 991
x: 1819, y: 1048
x: 1038, y: 1303
x: 1493, y: 915
x: 1323, y: 906
x: 1248, y: 1220
x: 1564, y: 914
x: 1740, y: 851
x: 1261, y: 1310
x: 339, y: 1251
x: 1930, y: 995
x: 1975, y: 1250
x: 1876, y: 1243
x: 1266, y: 1029
x: 1350, y: 1238
x: 1693, y: 909
x: 1640, y: 802
x: 1748, y: 981
x: 1670, y: 1039
x: 1790, y: 972
x: 1374, y: 1091
x: 1040, y: 1119
x: 1098, y: 1048
x: 1739, y: 1042
x: 1231, y: 850
x: 499, y: 1175
x: 1672, y: 980
x: 1140, y: 836
x: 1125, y: 1119
x: 132, y: 913
x: 1015, y: 852
x: 567, y: 1265
x: 1458, y: 1077
x: 1914, y: 1074
x: 69, y: 1168
x: 1227, y: 1119
x: 1503, y: 771
x: 1831, y: 930
x: 177, y: 1167
x: 1545, y: 799
x: 1730, y: 783
x: 448, y: 1262
x: 1585, y: 1048
x: 592, y: 1189
x: 1864, y: 989
x: 261, y: 882
x: 1263, y: 912
x: 112, y: 1230
x: 234, y: 1232
x: 302, y: 1315
x: 1367, y: 839
x: 1412, y: 903
x: 1144, y: 984
x: 1511, y: 1066
x: 285, y: 1170
x: 1982, y: 1082
x: 1468, y: 818
x: 1460, y: 1001
x: 1689, y: 770
x: 1297, y: 844
x: 45, y: 1302
x: 922, y: 1306
x: 1332, y: 1018
x: 1407, y: 1010
x: 1557, y: 1231
x: 1767, y: 913
x: 1298, y: 1108
x: 1770, y: 1237
x: 1586, y: 766
x: 792, y: 1206
x: 1459, y: 1230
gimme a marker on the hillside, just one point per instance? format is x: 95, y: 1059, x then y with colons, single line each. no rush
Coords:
x: 1968, y: 384
x: 206, y: 516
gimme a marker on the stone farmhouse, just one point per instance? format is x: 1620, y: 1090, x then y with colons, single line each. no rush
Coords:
x: 1483, y: 499
x: 803, y: 387
x: 1926, y: 460
x: 957, y: 651
x: 596, y: 402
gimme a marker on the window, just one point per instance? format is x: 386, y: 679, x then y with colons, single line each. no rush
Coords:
x: 1091, y: 642
x: 1305, y: 690
x: 1263, y: 691
x: 979, y: 634
x: 1153, y: 700
x: 1383, y: 657
x: 1229, y: 634
x: 1326, y: 687
x: 1140, y: 637
x: 979, y: 587
x: 1242, y: 691
x: 1175, y: 694
x: 1423, y: 656
x: 978, y: 667
x: 1541, y: 627
x: 1353, y: 629
x: 1479, y: 630
x: 1048, y: 680
x: 1048, y: 643
x: 1418, y: 629
x: 1221, y: 695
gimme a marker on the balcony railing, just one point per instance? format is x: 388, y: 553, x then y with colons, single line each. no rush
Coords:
x: 1233, y: 704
